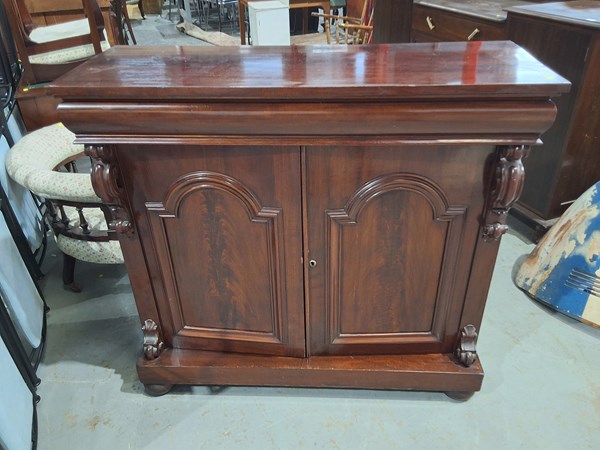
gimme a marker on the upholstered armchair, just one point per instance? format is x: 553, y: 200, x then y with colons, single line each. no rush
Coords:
x: 44, y: 162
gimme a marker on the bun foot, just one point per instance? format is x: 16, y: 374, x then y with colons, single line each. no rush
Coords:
x: 461, y: 396
x: 156, y: 390
x: 216, y: 389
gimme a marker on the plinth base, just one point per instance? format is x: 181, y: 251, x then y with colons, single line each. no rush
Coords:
x: 433, y: 372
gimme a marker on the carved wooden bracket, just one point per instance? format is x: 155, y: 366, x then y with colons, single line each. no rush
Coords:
x: 107, y: 185
x: 153, y: 345
x: 508, y: 182
x: 466, y: 352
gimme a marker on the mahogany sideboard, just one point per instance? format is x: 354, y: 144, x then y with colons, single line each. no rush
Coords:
x: 310, y: 216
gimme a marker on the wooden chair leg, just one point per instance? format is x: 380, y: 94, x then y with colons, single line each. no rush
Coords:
x: 69, y: 274
x: 128, y: 23
x: 141, y: 6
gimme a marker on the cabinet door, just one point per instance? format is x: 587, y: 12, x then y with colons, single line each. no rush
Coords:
x: 223, y: 244
x: 391, y: 233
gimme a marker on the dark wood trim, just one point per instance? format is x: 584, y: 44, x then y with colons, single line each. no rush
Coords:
x: 406, y: 372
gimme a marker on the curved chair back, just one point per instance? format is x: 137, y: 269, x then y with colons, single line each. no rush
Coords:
x: 44, y: 162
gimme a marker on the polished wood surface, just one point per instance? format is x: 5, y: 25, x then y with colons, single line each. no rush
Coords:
x: 285, y: 223
x: 231, y: 230
x: 406, y: 372
x: 453, y: 70
x: 581, y: 13
x: 368, y: 254
x: 491, y: 10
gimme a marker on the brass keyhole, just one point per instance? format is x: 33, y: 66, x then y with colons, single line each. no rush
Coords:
x: 312, y: 263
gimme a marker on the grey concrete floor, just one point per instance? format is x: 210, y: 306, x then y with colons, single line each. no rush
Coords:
x: 541, y: 389
x: 160, y: 30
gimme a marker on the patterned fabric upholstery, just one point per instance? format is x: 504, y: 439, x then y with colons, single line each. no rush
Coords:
x: 31, y: 162
x: 67, y: 55
x: 90, y: 251
x: 61, y: 31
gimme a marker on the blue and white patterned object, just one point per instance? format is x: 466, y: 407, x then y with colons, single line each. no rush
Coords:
x: 563, y: 271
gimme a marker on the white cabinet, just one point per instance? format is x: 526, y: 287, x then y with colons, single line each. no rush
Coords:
x: 269, y: 22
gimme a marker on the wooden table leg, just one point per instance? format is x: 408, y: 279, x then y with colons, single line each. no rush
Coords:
x: 305, y: 20
x: 242, y: 19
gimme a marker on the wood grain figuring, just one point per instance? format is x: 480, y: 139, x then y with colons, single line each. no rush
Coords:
x: 401, y: 71
x: 373, y: 261
x: 335, y: 176
x: 295, y: 229
x: 234, y: 283
x: 234, y: 235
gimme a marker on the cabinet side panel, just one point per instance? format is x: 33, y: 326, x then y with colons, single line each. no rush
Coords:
x: 563, y: 48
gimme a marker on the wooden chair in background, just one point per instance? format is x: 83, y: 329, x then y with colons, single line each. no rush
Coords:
x: 350, y: 30
x: 121, y: 23
x: 47, y: 52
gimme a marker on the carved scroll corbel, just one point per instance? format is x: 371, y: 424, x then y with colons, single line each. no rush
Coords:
x: 106, y: 180
x: 466, y: 352
x: 153, y: 345
x: 509, y: 178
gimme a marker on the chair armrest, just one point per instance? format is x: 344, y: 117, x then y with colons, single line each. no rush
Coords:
x: 70, y: 187
x: 35, y: 48
x: 356, y: 20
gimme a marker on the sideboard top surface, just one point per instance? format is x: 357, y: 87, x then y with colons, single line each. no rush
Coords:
x: 493, y: 10
x: 454, y: 70
x: 584, y: 13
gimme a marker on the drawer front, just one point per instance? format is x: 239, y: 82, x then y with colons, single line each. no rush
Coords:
x: 434, y: 25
